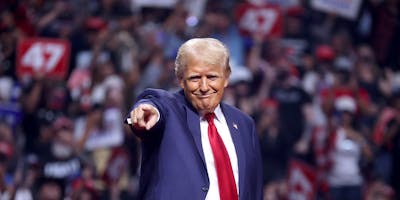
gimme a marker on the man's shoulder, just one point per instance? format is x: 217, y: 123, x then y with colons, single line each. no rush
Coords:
x: 157, y: 93
x: 162, y: 98
x: 154, y: 92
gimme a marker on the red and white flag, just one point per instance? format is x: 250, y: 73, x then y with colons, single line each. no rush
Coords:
x: 302, y: 181
x: 262, y: 19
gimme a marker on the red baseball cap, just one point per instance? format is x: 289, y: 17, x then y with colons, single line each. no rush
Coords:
x: 325, y: 53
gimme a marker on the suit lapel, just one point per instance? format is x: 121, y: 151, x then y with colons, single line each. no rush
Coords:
x: 236, y: 131
x: 193, y: 123
x: 194, y: 127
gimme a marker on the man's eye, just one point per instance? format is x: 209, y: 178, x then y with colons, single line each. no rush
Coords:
x: 213, y: 77
x: 194, y: 78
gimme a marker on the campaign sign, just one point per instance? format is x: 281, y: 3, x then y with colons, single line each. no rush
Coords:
x: 48, y: 57
x: 301, y: 181
x: 261, y: 19
x: 344, y: 8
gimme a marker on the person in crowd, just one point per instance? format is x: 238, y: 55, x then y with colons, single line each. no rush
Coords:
x: 348, y: 149
x: 294, y: 112
x: 61, y: 162
x: 209, y: 149
x: 271, y: 150
x: 391, y: 140
x: 43, y: 100
x: 48, y: 188
x: 221, y: 25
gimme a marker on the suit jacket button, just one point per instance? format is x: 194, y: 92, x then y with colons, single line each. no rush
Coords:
x: 204, y: 189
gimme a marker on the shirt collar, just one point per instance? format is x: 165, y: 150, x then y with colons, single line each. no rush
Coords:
x: 218, y: 113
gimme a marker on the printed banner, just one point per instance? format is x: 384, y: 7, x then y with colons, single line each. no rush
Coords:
x: 344, y: 8
x: 49, y: 57
x: 154, y: 3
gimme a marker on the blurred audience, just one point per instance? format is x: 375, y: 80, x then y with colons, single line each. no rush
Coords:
x: 322, y: 89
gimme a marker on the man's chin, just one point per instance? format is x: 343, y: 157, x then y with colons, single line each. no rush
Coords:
x: 205, y: 109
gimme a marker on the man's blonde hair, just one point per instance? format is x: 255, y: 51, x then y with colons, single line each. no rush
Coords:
x: 211, y: 50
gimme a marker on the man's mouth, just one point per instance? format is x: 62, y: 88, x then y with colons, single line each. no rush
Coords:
x: 204, y: 96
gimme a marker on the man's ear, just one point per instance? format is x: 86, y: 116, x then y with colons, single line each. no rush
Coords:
x: 227, y: 79
x: 226, y: 82
x: 181, y: 83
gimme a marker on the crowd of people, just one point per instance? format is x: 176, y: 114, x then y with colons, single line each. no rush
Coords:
x: 325, y: 92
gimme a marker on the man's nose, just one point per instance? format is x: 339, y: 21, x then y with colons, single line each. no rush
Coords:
x: 204, y: 84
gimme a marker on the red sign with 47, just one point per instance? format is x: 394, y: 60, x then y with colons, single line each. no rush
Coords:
x: 262, y: 19
x: 48, y: 57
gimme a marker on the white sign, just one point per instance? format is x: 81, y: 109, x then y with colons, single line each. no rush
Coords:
x: 345, y: 8
x: 154, y: 3
x: 281, y: 3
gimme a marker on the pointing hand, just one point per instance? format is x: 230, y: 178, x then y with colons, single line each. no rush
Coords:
x: 145, y: 116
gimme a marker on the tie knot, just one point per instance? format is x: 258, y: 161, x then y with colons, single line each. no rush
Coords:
x: 209, y: 117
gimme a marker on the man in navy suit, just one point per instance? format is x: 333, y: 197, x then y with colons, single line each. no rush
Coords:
x: 193, y: 145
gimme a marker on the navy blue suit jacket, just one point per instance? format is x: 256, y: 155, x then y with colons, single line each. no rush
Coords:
x: 173, y: 165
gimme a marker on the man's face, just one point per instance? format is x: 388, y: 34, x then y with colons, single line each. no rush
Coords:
x: 204, y: 84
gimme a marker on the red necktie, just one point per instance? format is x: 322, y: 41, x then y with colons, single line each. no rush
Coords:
x: 226, y: 180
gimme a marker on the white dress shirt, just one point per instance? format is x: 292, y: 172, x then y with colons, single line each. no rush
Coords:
x: 223, y: 131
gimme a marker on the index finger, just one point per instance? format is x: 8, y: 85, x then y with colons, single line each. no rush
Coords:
x: 137, y: 115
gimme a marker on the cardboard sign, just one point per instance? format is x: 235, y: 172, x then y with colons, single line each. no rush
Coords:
x: 301, y: 181
x: 264, y: 19
x: 49, y: 57
x: 344, y: 8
